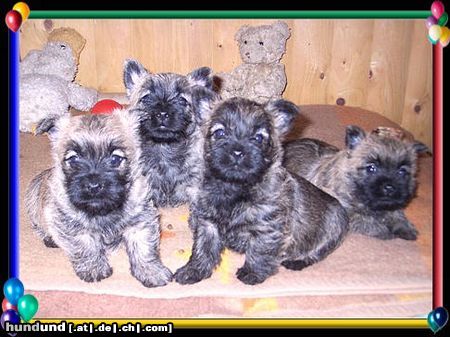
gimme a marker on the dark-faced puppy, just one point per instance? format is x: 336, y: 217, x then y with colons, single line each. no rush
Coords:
x: 96, y: 197
x: 167, y: 106
x: 374, y: 178
x: 249, y: 203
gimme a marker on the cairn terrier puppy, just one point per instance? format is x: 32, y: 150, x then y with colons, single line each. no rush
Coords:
x: 95, y: 197
x: 248, y: 202
x: 373, y: 178
x: 167, y: 107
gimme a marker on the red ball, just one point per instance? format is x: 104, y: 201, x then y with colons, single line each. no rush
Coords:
x: 105, y: 106
x: 8, y: 306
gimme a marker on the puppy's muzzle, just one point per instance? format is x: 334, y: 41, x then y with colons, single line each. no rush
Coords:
x: 162, y: 118
x: 388, y: 189
x: 238, y: 156
x: 93, y: 185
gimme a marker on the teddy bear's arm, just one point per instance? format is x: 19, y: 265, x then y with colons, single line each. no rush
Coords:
x: 81, y: 98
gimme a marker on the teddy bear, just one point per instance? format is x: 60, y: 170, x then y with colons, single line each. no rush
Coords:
x: 261, y: 76
x: 47, y: 77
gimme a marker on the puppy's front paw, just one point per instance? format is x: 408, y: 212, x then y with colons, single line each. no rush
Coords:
x: 156, y: 275
x: 94, y: 274
x: 189, y: 275
x: 248, y: 276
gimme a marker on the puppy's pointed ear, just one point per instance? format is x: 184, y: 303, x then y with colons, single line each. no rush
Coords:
x: 51, y: 125
x: 420, y: 147
x: 203, y: 103
x: 353, y: 136
x: 284, y: 113
x: 133, y: 72
x: 201, y: 76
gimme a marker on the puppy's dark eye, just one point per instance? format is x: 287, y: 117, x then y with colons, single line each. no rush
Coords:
x: 62, y: 46
x: 71, y: 159
x: 402, y: 172
x: 145, y: 98
x: 371, y: 168
x: 261, y: 43
x: 245, y: 42
x: 183, y: 101
x: 258, y: 138
x: 220, y: 133
x: 115, y: 160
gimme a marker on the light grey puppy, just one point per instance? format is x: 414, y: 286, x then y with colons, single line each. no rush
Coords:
x: 95, y: 197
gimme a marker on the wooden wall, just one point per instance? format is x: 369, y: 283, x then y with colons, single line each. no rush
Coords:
x: 381, y: 65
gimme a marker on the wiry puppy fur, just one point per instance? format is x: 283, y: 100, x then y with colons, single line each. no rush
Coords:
x: 374, y: 178
x: 95, y: 197
x: 249, y: 203
x: 167, y: 107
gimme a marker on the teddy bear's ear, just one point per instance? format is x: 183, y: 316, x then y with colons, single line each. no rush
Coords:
x: 284, y: 113
x: 282, y: 28
x: 240, y: 32
x: 51, y: 125
x: 201, y: 76
x: 133, y: 72
x: 353, y: 136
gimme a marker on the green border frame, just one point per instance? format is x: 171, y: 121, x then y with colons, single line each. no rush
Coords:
x: 286, y: 14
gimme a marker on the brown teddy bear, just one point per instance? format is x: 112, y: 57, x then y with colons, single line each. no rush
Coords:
x: 261, y: 77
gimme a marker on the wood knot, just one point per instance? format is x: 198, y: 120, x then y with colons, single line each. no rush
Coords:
x: 322, y: 76
x: 417, y: 108
x: 48, y: 25
x: 370, y: 74
x: 340, y: 101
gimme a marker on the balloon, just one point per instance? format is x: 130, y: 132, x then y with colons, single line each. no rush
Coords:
x: 431, y: 20
x: 8, y: 306
x: 10, y: 316
x: 105, y: 106
x: 435, y: 32
x: 437, y: 319
x: 13, y: 20
x: 28, y: 306
x: 437, y: 8
x: 431, y: 40
x: 445, y: 36
x: 13, y: 290
x: 443, y: 19
x: 23, y: 9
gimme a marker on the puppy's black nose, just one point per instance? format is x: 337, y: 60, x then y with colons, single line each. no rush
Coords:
x: 388, y: 189
x: 238, y: 155
x: 94, y: 187
x: 162, y: 115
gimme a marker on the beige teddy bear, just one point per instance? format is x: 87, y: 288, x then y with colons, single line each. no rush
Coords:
x: 261, y: 77
x: 47, y: 76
